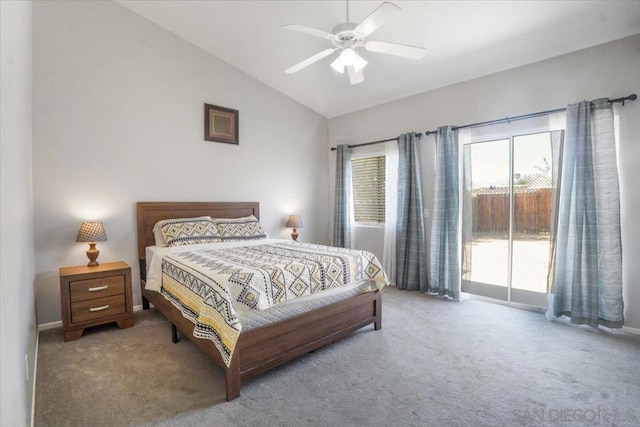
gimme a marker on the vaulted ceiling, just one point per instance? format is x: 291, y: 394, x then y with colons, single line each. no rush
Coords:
x: 464, y: 40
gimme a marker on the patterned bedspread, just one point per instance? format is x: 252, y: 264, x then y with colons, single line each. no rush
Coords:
x: 210, y: 287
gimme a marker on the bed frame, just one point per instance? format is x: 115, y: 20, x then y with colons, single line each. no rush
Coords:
x: 266, y: 347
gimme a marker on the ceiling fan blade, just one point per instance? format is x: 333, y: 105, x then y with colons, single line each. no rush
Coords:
x: 406, y: 51
x: 309, y: 30
x: 377, y: 18
x: 355, y: 77
x: 315, y: 58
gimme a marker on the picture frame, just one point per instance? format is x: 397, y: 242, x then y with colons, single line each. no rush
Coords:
x: 221, y: 124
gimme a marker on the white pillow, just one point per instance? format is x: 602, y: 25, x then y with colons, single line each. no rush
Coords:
x: 157, y: 228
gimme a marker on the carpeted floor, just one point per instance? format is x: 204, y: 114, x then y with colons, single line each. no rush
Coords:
x: 434, y: 363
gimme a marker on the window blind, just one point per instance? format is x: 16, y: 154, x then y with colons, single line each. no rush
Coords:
x: 368, y: 177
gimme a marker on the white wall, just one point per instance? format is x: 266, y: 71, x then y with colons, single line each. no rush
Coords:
x: 18, y: 329
x: 118, y: 118
x: 608, y: 70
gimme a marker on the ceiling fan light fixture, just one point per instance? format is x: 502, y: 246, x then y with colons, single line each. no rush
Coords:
x: 348, y: 56
x: 359, y: 63
x: 338, y: 65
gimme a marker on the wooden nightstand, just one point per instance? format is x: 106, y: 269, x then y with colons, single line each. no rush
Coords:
x: 93, y: 296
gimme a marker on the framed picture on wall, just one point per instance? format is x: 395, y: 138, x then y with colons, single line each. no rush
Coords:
x: 221, y: 124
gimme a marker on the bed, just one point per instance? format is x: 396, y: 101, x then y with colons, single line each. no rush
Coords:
x: 262, y: 348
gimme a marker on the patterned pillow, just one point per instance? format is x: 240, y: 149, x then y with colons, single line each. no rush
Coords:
x: 188, y: 231
x: 244, y: 228
x: 157, y: 231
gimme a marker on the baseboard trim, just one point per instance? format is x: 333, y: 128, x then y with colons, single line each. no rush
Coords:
x: 630, y: 330
x: 35, y: 375
x: 51, y: 325
x: 58, y: 324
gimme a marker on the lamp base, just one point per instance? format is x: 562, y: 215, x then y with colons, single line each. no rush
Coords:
x: 92, y: 254
x: 294, y: 235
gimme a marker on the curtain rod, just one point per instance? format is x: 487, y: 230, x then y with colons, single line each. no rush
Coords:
x: 370, y: 143
x: 631, y: 97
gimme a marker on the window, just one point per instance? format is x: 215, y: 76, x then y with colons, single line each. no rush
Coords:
x: 369, y: 189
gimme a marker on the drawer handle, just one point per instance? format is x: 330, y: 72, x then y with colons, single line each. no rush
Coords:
x: 99, y: 288
x: 104, y: 307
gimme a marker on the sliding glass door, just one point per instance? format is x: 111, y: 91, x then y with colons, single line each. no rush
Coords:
x: 507, y: 214
x: 486, y: 270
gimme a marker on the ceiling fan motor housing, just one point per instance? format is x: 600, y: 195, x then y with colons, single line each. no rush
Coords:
x: 346, y: 36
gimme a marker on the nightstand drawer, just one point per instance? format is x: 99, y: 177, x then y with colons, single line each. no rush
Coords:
x: 97, y: 308
x: 96, y: 288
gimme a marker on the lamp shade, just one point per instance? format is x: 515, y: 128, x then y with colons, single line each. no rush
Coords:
x: 294, y: 221
x: 91, y: 232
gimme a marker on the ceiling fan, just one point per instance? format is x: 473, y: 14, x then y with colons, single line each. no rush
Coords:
x: 347, y: 37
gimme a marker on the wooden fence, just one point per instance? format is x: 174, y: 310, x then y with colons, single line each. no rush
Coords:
x: 531, y: 212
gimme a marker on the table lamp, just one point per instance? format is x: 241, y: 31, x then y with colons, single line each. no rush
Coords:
x: 92, y: 232
x: 294, y: 222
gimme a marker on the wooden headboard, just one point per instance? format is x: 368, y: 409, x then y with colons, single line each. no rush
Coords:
x: 151, y: 212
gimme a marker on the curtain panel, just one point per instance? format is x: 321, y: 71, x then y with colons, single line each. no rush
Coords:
x: 444, y: 271
x: 391, y: 210
x: 587, y: 276
x: 411, y: 246
x: 343, y: 211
